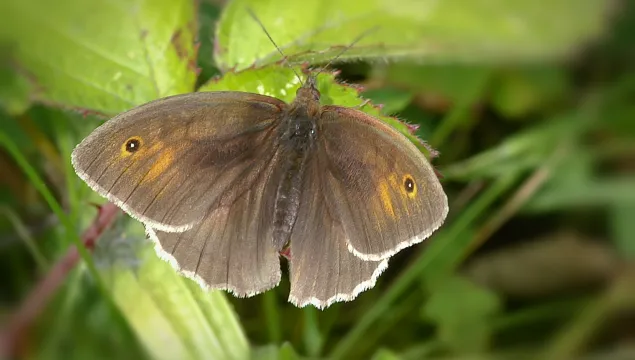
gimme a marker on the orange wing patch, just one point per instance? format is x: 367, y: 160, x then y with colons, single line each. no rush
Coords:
x: 386, y: 188
x: 165, y: 156
x: 386, y: 201
x: 165, y: 160
x: 391, y: 189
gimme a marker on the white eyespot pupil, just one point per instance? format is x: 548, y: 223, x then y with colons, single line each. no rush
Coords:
x: 410, y: 185
x: 132, y: 145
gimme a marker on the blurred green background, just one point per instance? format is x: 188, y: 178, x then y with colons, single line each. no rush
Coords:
x: 530, y: 104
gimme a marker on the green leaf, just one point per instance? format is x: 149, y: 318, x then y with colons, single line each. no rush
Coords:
x: 462, y: 312
x: 391, y: 100
x: 282, y: 83
x: 81, y: 326
x: 170, y: 314
x: 102, y: 55
x: 441, y: 30
x: 14, y: 91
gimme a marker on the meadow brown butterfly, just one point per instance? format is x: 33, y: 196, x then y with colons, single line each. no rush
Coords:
x: 226, y: 181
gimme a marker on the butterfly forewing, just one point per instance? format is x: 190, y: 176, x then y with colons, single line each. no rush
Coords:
x: 386, y: 193
x: 168, y: 161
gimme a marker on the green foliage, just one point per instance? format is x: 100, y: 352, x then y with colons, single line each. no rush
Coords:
x: 439, y: 30
x: 160, y: 304
x: 534, y: 125
x: 14, y: 97
x: 68, y: 50
x: 465, y: 327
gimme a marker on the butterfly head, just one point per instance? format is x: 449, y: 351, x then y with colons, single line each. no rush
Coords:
x: 309, y: 90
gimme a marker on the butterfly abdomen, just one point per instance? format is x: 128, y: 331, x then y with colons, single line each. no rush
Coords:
x: 297, y: 140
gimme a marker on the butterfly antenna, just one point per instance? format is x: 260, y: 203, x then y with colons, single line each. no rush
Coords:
x: 284, y: 57
x: 355, y: 41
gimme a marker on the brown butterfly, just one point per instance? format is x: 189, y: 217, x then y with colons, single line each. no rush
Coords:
x: 226, y: 181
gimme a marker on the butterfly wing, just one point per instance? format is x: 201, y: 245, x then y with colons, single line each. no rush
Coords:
x: 386, y: 193
x: 231, y: 249
x: 167, y: 162
x: 322, y: 270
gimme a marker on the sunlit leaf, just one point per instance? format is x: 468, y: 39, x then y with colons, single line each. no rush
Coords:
x: 316, y: 30
x: 102, y: 55
x: 170, y: 314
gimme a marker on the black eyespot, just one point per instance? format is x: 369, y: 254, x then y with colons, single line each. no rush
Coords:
x: 132, y: 145
x: 409, y: 184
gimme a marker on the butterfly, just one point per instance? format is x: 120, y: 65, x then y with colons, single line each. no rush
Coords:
x: 226, y: 181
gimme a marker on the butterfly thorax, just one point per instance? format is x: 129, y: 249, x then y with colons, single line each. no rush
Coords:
x: 298, y: 135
